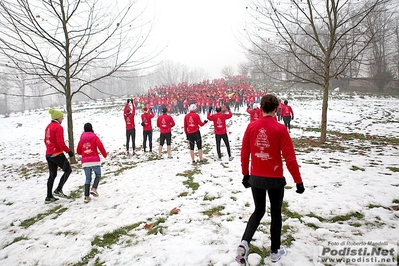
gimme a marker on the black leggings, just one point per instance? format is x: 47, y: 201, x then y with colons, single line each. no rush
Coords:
x: 147, y: 133
x: 225, y: 139
x: 287, y: 121
x: 53, y: 163
x: 131, y: 134
x: 276, y: 200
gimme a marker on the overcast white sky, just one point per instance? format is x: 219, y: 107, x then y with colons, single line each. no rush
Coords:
x: 201, y: 34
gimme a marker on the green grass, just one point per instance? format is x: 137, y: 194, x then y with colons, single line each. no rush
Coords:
x: 54, y: 212
x: 111, y: 238
x: 156, y: 227
x: 189, y: 183
x: 214, y: 211
x: 17, y: 239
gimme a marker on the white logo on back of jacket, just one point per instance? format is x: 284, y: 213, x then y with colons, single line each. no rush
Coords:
x: 163, y: 122
x: 87, y: 148
x: 191, y: 122
x: 262, y: 142
x: 219, y: 123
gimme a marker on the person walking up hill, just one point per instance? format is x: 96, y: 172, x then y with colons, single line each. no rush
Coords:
x: 264, y: 144
x: 55, y: 157
x: 88, y: 147
x: 287, y: 115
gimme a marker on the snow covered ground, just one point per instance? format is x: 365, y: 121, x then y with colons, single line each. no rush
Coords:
x: 352, y: 190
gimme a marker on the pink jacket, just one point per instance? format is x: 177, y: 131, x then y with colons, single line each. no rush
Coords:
x: 88, y: 147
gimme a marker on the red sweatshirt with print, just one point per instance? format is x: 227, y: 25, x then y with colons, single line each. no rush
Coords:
x: 264, y: 144
x: 165, y: 123
x: 192, y: 123
x: 128, y: 114
x: 254, y: 114
x: 54, y: 139
x: 219, y: 121
x: 146, y: 118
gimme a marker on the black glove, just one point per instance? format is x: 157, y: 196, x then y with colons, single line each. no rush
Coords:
x: 300, y: 188
x: 142, y: 123
x: 210, y: 109
x: 70, y: 154
x: 205, y: 121
x: 187, y: 137
x: 245, y: 182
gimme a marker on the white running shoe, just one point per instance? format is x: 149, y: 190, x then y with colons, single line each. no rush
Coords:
x: 274, y: 257
x: 242, y: 253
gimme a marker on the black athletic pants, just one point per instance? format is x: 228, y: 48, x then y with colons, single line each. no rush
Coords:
x: 53, y: 163
x: 131, y: 134
x: 147, y: 133
x: 225, y: 139
x: 276, y: 200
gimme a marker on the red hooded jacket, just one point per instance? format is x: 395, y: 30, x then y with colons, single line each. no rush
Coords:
x: 88, y: 147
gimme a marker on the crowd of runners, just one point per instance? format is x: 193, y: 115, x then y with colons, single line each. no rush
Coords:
x: 234, y: 92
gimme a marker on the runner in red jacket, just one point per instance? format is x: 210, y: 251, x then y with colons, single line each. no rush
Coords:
x: 128, y: 113
x: 255, y: 113
x: 55, y: 157
x: 219, y: 125
x: 264, y: 144
x: 147, y: 127
x: 165, y: 123
x: 192, y: 123
x: 287, y: 114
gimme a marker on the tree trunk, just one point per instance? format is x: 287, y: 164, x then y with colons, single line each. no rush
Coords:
x: 70, y: 127
x: 323, y: 133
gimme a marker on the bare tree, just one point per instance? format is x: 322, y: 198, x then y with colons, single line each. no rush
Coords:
x: 4, y: 85
x: 396, y: 57
x: 228, y: 71
x: 322, y: 38
x: 382, y: 48
x: 71, y: 44
x: 243, y: 68
x: 169, y: 72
